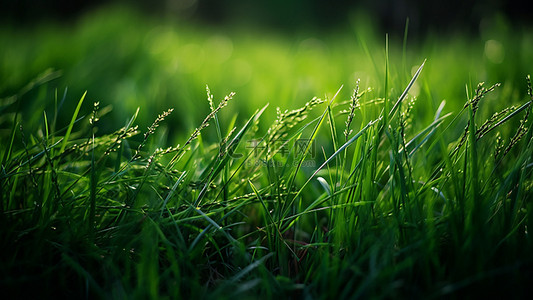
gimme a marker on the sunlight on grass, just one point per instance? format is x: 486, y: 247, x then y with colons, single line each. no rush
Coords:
x: 324, y: 164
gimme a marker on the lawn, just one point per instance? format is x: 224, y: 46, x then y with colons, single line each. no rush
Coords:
x: 146, y: 158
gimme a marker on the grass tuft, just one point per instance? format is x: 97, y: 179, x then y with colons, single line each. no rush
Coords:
x: 409, y: 206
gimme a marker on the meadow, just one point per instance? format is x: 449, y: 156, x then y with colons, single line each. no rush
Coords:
x: 146, y: 158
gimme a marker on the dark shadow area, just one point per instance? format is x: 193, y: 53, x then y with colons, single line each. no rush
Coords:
x: 389, y: 15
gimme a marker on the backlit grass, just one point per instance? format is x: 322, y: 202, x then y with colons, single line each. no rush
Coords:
x: 414, y: 181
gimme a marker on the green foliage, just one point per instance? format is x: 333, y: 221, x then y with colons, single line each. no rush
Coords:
x: 373, y: 193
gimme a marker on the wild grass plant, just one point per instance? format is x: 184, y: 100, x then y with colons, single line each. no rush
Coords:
x: 379, y: 189
x: 385, y: 211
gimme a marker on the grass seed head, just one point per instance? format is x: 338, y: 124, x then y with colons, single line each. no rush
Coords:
x: 160, y: 118
x: 94, y: 116
x: 354, y: 104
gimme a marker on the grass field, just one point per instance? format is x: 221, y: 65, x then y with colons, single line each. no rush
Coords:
x: 347, y: 164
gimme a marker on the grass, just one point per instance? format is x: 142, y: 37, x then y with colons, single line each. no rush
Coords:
x: 379, y: 190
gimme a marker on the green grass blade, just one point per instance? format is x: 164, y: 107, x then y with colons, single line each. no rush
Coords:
x: 406, y: 91
x: 172, y: 191
x: 286, y: 206
x: 237, y: 139
x: 342, y: 148
x: 92, y: 195
x: 69, y: 128
x: 508, y: 117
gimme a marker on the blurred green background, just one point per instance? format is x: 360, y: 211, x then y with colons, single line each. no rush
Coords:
x: 161, y: 54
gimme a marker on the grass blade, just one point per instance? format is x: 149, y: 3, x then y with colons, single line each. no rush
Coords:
x: 404, y: 94
x: 69, y: 128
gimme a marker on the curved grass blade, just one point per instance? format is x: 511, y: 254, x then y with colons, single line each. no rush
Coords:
x: 232, y: 146
x: 348, y: 143
x: 404, y: 94
x: 74, y: 116
x: 509, y: 116
x: 171, y: 193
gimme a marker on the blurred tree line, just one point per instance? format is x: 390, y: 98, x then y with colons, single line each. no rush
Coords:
x: 391, y: 15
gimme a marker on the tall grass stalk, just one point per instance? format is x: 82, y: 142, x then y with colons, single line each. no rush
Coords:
x: 400, y: 209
